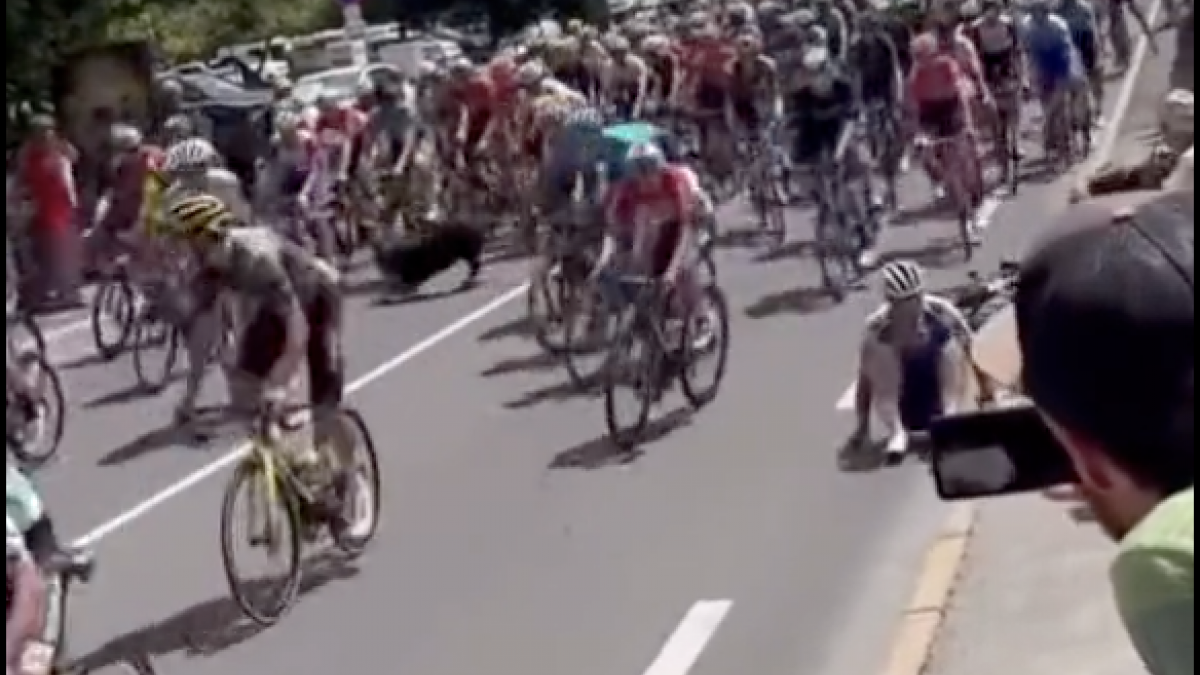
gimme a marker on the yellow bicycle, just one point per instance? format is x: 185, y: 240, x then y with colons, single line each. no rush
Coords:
x: 287, y: 511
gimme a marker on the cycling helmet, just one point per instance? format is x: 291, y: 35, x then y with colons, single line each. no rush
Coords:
x: 288, y: 121
x: 125, y: 137
x: 179, y: 125
x: 645, y: 159
x: 656, y: 44
x: 748, y: 41
x: 617, y: 44
x: 903, y: 279
x: 190, y: 154
x: 532, y: 74
x: 201, y: 216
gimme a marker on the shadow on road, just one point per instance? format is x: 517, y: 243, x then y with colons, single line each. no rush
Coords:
x: 537, y: 362
x: 210, y: 426
x: 793, y: 301
x: 520, y: 327
x: 603, y: 452
x: 212, y: 626
x: 561, y: 391
x: 85, y: 361
x: 789, y: 251
x: 135, y: 393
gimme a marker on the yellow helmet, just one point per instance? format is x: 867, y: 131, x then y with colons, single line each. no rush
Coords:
x: 201, y: 215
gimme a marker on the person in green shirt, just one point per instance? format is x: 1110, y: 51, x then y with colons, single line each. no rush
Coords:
x: 1101, y: 338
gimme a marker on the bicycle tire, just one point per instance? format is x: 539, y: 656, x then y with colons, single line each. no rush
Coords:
x: 353, y: 546
x: 25, y: 322
x: 50, y: 385
x: 284, y: 514
x: 583, y: 378
x: 836, y: 272
x: 615, y: 371
x: 114, y: 290
x: 697, y: 397
x: 155, y: 335
x: 553, y: 293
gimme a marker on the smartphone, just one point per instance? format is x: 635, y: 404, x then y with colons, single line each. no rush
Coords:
x: 996, y: 452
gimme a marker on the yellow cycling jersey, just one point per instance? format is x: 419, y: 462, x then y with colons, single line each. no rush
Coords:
x: 153, y: 215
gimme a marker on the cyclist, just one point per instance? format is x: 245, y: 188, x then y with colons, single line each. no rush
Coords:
x: 1081, y: 18
x: 652, y: 218
x: 25, y: 609
x: 194, y: 166
x: 1052, y: 59
x: 289, y: 303
x: 30, y: 542
x: 627, y: 82
x: 754, y: 101
x: 913, y: 360
x: 874, y: 61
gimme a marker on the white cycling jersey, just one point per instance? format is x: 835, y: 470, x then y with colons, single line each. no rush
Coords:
x: 941, y: 310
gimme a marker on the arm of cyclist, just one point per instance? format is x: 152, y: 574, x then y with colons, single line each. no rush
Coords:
x: 28, y: 601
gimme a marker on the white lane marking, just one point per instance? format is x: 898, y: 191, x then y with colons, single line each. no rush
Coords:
x: 237, y: 453
x: 987, y: 210
x: 58, y: 332
x: 846, y: 402
x: 685, y: 646
x: 1124, y: 97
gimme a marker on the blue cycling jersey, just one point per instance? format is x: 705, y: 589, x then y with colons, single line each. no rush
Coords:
x: 1051, y: 49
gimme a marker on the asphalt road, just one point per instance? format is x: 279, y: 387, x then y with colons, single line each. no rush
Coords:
x: 511, y: 542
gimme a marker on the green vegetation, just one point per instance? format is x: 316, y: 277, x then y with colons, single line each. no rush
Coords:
x: 39, y: 33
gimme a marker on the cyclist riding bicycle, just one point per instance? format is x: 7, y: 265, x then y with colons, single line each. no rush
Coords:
x: 913, y: 363
x: 289, y: 304
x: 30, y: 543
x: 1053, y: 60
x: 652, y: 225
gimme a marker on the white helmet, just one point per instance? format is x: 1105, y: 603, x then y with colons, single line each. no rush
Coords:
x: 531, y: 73
x: 645, y: 159
x: 190, y: 154
x: 1177, y: 112
x: 126, y: 136
x: 903, y: 279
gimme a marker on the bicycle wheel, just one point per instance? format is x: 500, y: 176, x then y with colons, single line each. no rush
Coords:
x: 114, y: 302
x: 25, y: 335
x: 353, y: 540
x: 588, y: 332
x: 281, y: 526
x: 155, y: 351
x: 631, y: 364
x: 545, y: 303
x: 768, y: 202
x: 697, y: 345
x: 41, y: 436
x: 835, y: 255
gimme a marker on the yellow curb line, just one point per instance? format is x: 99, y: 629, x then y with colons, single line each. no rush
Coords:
x: 913, y: 645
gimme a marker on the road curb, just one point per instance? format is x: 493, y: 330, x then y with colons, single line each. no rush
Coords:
x: 921, y: 622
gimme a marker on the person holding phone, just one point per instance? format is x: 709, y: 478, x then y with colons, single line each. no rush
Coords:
x: 913, y: 363
x: 1101, y: 339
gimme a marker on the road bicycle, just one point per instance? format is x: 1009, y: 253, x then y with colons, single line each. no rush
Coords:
x: 115, y: 311
x: 648, y: 354
x: 288, y: 511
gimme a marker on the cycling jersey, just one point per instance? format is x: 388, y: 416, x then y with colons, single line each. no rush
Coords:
x: 22, y: 505
x: 937, y: 311
x: 1051, y: 50
x: 651, y: 216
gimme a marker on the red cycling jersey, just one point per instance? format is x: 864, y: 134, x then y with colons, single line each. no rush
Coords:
x: 708, y: 58
x: 340, y: 124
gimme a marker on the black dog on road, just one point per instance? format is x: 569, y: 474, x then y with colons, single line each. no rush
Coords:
x: 408, y: 262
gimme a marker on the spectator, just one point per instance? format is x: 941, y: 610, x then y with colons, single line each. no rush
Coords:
x: 45, y: 175
x: 1101, y: 338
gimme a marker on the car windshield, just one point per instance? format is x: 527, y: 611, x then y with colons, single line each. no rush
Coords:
x: 335, y: 83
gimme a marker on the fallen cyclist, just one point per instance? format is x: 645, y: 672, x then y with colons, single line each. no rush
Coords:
x: 914, y: 363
